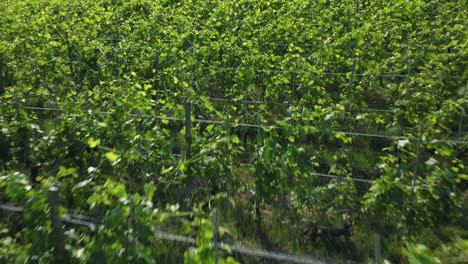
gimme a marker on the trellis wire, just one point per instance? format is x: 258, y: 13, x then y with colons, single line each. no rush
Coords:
x: 392, y: 111
x: 266, y: 127
x: 381, y: 75
x: 279, y: 44
x: 179, y: 238
x: 312, y: 173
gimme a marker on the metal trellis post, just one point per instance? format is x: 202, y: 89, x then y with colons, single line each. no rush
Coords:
x: 133, y: 224
x: 293, y: 85
x: 188, y: 148
x: 378, y: 248
x: 215, y: 234
x: 57, y: 232
x: 188, y: 127
x: 416, y: 166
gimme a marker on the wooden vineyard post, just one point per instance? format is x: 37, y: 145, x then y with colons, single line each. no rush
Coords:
x: 57, y: 232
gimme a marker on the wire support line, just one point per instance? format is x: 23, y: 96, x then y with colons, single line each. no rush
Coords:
x: 259, y: 42
x: 380, y: 75
x: 272, y: 255
x: 378, y: 110
x: 324, y: 175
x: 100, y: 112
x: 265, y: 127
x: 186, y: 239
x: 384, y: 75
x: 174, y: 237
x: 368, y: 135
x: 82, y: 217
x: 68, y: 219
x: 217, y: 99
x: 11, y: 208
x: 312, y: 173
x: 238, y: 101
x: 340, y: 177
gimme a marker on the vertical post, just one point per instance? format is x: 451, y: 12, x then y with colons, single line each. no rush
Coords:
x: 350, y: 88
x: 460, y: 124
x: 351, y: 80
x: 350, y: 42
x: 228, y: 124
x: 259, y: 121
x: 350, y: 29
x: 57, y: 232
x: 188, y: 150
x: 188, y: 127
x: 55, y: 101
x: 17, y: 104
x: 133, y: 225
x: 117, y: 26
x: 293, y: 85
x: 416, y: 166
x: 459, y: 132
x: 409, y: 60
x: 215, y: 234
x: 258, y: 199
x: 378, y: 248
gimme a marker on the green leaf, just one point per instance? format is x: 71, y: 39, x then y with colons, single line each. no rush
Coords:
x: 149, y: 191
x: 93, y: 142
x: 66, y: 171
x: 111, y: 156
x: 118, y: 190
x: 235, y: 140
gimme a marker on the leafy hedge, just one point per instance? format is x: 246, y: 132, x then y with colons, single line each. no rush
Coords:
x: 92, y: 100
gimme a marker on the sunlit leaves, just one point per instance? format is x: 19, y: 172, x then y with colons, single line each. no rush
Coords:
x: 111, y: 156
x: 105, y: 83
x: 93, y: 142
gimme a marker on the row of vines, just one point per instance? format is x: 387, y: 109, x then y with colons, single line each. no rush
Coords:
x: 314, y: 125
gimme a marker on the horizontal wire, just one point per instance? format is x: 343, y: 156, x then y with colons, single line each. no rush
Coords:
x: 237, y: 101
x: 266, y: 127
x: 289, y: 104
x: 272, y: 255
x: 384, y: 75
x: 80, y: 216
x: 279, y: 44
x: 77, y: 222
x: 340, y: 177
x: 174, y: 237
x: 312, y: 173
x: 11, y: 208
x: 179, y: 238
x: 323, y: 175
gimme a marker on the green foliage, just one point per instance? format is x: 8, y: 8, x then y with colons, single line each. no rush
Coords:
x: 205, y: 251
x: 455, y: 252
x: 92, y: 95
